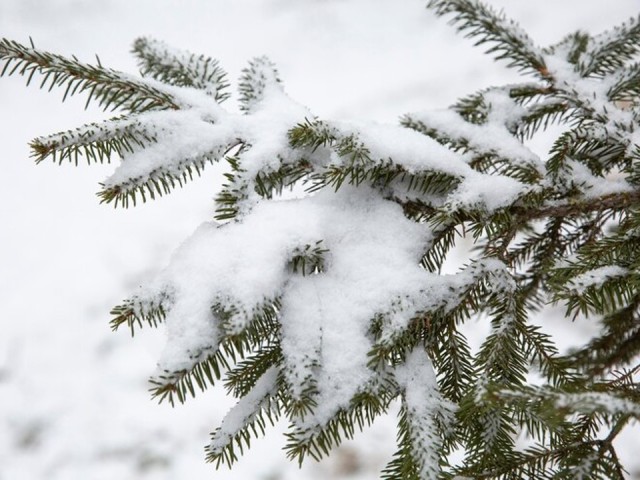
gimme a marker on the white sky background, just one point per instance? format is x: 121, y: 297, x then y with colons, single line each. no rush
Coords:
x: 73, y: 395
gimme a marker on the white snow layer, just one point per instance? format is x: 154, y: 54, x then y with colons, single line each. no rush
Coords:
x: 596, y: 277
x: 373, y: 258
x: 418, y: 153
x: 371, y: 267
x: 425, y: 408
x: 203, y: 131
x: 245, y: 410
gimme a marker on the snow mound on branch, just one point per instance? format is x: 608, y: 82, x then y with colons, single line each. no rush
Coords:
x: 372, y: 258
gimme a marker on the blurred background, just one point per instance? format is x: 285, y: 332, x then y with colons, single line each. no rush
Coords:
x: 73, y: 396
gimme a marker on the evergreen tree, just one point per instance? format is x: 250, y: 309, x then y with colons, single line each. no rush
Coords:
x: 327, y: 304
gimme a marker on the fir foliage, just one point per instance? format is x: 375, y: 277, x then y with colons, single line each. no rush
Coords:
x: 184, y: 69
x: 565, y: 232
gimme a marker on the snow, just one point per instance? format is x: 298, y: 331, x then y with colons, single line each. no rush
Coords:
x: 361, y: 279
x: 599, y: 94
x: 280, y: 113
x: 596, y: 186
x: 244, y: 264
x: 424, y: 407
x: 491, y: 137
x: 73, y: 395
x: 203, y: 131
x: 419, y: 154
x: 167, y: 58
x: 596, y: 277
x: 477, y: 190
x: 245, y: 410
x: 415, y: 151
x: 183, y: 138
x: 597, y: 401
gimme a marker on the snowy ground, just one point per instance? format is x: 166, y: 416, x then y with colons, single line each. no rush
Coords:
x: 73, y: 399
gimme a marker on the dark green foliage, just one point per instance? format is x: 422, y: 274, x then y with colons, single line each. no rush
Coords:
x: 255, y: 79
x: 309, y: 260
x: 159, y: 181
x: 358, y: 167
x: 132, y: 315
x: 505, y: 38
x: 268, y: 414
x: 112, y: 90
x: 182, y: 69
x: 96, y: 142
x: 403, y: 465
x: 609, y: 51
x: 362, y: 411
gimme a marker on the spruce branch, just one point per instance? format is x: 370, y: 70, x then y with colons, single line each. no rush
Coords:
x: 317, y: 441
x: 259, y: 77
x: 404, y: 464
x: 112, y: 90
x: 507, y: 41
x: 207, y: 367
x: 567, y: 230
x: 617, y: 345
x: 356, y: 165
x: 626, y: 84
x: 571, y: 48
x: 541, y: 116
x: 248, y: 418
x: 444, y: 239
x: 233, y: 190
x: 272, y: 182
x: 614, y: 201
x: 610, y: 50
x: 240, y: 379
x: 484, y: 158
x: 161, y: 180
x: 134, y: 313
x: 180, y: 68
x: 308, y: 260
x: 96, y: 142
